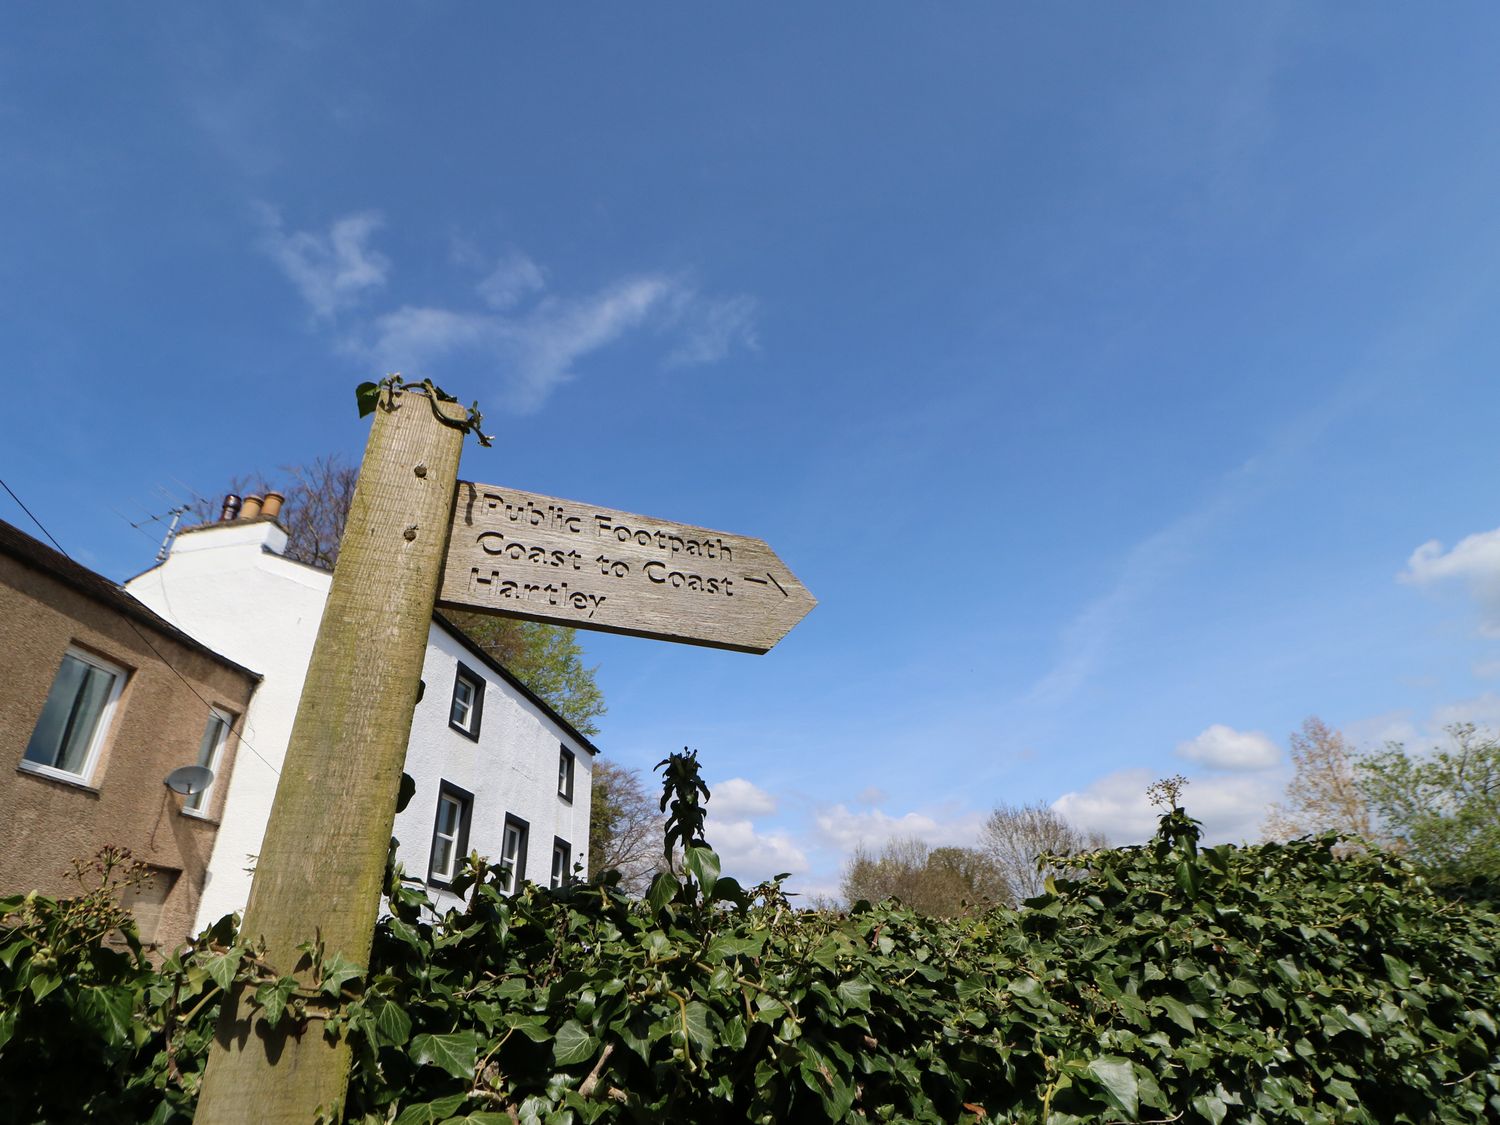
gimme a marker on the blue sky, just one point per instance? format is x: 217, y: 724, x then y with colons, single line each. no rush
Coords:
x: 1103, y: 372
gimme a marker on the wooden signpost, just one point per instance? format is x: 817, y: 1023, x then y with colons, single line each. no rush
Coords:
x: 568, y: 563
x: 321, y: 863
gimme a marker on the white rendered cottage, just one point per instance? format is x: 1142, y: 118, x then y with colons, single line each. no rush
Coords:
x: 497, y: 771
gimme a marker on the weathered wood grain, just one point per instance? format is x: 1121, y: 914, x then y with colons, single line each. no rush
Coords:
x: 320, y: 868
x: 567, y: 563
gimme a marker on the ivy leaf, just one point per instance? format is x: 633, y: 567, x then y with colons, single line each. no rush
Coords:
x: 1187, y: 878
x: 664, y: 889
x: 221, y: 969
x: 454, y: 1052
x: 336, y: 971
x: 572, y: 1044
x: 392, y: 1024
x: 1117, y: 1077
x: 272, y: 998
x: 430, y: 1113
x: 855, y: 994
x: 111, y: 1010
x: 703, y: 865
x: 1177, y: 1012
x: 695, y: 1021
x: 367, y: 395
x: 1211, y: 1107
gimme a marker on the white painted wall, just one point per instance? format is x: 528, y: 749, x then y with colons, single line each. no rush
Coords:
x: 228, y: 586
x: 511, y: 769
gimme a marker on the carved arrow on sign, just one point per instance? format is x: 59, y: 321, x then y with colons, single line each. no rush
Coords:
x: 565, y: 563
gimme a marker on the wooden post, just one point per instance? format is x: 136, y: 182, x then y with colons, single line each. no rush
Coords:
x: 321, y: 865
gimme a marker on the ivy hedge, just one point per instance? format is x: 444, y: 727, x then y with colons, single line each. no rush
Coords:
x: 1167, y: 982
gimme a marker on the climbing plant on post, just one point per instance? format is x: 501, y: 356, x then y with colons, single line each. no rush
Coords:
x: 319, y: 873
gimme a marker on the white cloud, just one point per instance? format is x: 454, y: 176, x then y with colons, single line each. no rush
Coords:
x: 1475, y: 561
x: 536, y: 348
x: 750, y: 854
x: 747, y: 851
x: 1483, y: 711
x: 515, y: 276
x: 846, y: 829
x: 332, y: 271
x: 1231, y: 807
x: 532, y: 337
x: 738, y: 799
x: 1225, y: 748
x: 710, y: 328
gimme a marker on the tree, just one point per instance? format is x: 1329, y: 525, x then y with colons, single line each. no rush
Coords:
x: 1325, y: 793
x: 1443, y: 807
x: 1017, y: 838
x: 317, y: 498
x: 547, y: 658
x: 625, y: 827
x: 939, y: 881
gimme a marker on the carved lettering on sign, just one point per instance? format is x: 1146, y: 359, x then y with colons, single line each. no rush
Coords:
x: 559, y: 561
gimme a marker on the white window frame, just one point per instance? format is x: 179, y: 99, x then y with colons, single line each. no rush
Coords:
x: 459, y: 839
x: 566, y: 769
x: 562, y: 874
x: 473, y: 707
x: 515, y: 859
x: 194, y: 804
x: 101, y: 728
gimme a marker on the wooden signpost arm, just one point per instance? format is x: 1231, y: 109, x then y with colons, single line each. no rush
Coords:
x: 320, y: 867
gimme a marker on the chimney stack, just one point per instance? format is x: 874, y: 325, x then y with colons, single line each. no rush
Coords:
x: 231, y: 508
x: 251, y: 508
x: 271, y: 506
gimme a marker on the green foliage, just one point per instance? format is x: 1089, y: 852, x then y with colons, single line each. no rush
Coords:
x: 367, y: 398
x: 1265, y: 984
x: 681, y: 785
x: 1443, y: 808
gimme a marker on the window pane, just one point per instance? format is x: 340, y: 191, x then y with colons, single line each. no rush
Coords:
x: 208, y: 755
x: 48, y: 736
x: 213, y: 737
x: 463, y: 702
x: 447, y: 822
x: 442, y: 857
x: 70, y: 716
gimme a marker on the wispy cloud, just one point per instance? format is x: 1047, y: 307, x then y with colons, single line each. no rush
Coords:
x: 1473, y: 561
x: 514, y: 277
x: 332, y: 270
x: 516, y: 325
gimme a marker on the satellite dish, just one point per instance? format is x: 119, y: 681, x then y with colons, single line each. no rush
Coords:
x: 189, y: 780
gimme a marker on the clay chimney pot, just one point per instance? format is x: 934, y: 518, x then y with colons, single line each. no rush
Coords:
x: 251, y: 508
x: 271, y: 506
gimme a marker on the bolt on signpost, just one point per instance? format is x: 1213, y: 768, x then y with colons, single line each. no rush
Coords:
x: 408, y: 547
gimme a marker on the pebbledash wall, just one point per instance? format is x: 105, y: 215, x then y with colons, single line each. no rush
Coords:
x: 228, y: 585
x: 169, y: 701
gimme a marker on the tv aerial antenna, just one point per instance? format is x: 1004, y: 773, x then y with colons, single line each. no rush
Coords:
x: 172, y: 517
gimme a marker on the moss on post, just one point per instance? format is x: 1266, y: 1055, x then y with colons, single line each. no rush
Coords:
x: 321, y: 864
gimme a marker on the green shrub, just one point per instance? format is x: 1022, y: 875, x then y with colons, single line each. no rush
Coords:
x: 1273, y: 983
